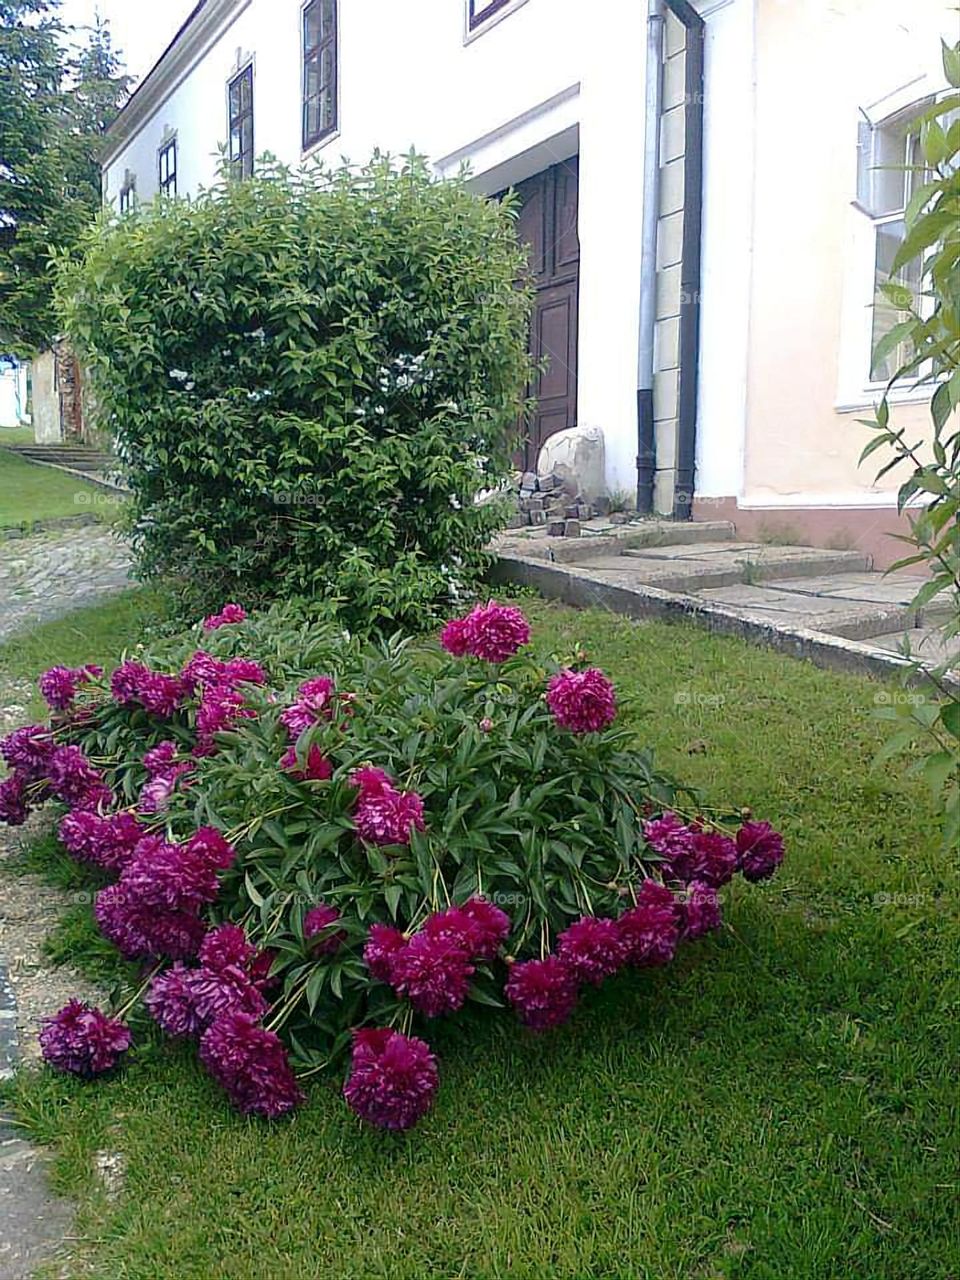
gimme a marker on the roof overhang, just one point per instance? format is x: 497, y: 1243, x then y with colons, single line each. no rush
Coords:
x: 205, y: 23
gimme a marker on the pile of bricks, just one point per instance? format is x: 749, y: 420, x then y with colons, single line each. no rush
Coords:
x: 546, y: 500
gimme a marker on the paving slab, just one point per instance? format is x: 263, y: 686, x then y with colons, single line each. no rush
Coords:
x: 838, y: 615
x: 926, y: 643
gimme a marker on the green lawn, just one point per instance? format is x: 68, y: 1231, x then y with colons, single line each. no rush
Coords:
x: 778, y: 1105
x: 16, y: 435
x: 29, y: 492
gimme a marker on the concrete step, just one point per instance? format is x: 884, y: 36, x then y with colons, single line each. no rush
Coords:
x: 923, y: 643
x: 600, y: 537
x: 703, y: 566
x: 780, y: 606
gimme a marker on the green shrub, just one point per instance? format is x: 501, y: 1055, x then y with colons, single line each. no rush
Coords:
x: 309, y: 378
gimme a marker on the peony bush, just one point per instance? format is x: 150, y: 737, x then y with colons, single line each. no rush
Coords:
x: 309, y: 846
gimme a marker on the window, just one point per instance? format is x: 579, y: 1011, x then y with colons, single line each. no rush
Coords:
x: 167, y: 168
x: 240, y: 121
x: 890, y: 171
x: 128, y: 192
x: 478, y: 11
x: 319, y: 70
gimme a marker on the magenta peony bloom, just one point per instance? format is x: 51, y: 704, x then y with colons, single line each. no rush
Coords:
x: 759, y: 850
x: 28, y: 750
x: 243, y: 671
x: 59, y: 685
x: 251, y: 1064
x: 477, y: 927
x: 710, y: 858
x: 201, y: 668
x: 139, y: 931
x: 317, y: 929
x: 318, y: 768
x: 226, y: 947
x: 226, y: 990
x: 161, y: 695
x: 383, y: 945
x: 315, y: 701
x: 171, y: 1002
x: 14, y: 808
x: 220, y: 708
x: 433, y: 973
x: 393, y: 1078
x: 650, y: 930
x: 83, y: 1041
x: 106, y: 841
x: 159, y: 758
x: 592, y: 948
x: 543, y: 992
x: 75, y: 781
x: 170, y: 877
x: 495, y: 631
x: 699, y: 910
x: 126, y: 681
x: 581, y: 701
x: 668, y: 835
x: 383, y: 814
x: 230, y: 613
x: 212, y: 846
x: 455, y: 638
x: 260, y: 967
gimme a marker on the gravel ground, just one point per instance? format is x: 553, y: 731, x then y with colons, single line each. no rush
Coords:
x: 41, y: 578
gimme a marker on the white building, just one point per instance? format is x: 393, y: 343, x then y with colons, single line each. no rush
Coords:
x: 754, y: 330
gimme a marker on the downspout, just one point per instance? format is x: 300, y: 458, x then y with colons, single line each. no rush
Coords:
x: 690, y: 258
x: 646, y: 439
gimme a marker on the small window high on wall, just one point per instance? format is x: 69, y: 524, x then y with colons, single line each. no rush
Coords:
x: 240, y: 108
x: 319, y: 71
x: 167, y: 168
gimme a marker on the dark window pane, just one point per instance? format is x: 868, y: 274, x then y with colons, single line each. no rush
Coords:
x: 234, y: 97
x: 319, y: 71
x: 246, y: 135
x: 327, y: 117
x: 328, y: 64
x: 312, y: 26
x: 311, y: 78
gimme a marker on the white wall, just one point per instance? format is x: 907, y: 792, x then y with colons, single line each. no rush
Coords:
x: 548, y: 79
x: 13, y: 396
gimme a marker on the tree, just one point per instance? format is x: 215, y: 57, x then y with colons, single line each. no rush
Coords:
x: 54, y: 107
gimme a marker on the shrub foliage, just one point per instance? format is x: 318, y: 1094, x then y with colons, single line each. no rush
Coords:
x: 309, y: 378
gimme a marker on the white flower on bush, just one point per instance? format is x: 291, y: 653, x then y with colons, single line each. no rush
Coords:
x: 178, y: 375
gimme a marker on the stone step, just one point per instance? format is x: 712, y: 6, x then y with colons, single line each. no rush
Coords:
x: 926, y: 644
x: 780, y: 606
x: 600, y: 537
x: 703, y: 566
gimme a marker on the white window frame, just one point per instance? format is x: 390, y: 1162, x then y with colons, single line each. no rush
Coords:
x: 486, y: 24
x: 127, y: 196
x: 856, y: 391
x: 169, y: 143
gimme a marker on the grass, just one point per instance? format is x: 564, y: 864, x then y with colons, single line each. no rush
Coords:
x: 29, y: 492
x: 16, y: 435
x: 779, y: 1103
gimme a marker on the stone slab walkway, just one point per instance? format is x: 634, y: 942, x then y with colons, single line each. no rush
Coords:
x: 46, y: 576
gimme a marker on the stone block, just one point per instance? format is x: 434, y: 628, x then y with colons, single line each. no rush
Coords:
x: 575, y: 456
x: 555, y: 528
x: 571, y: 528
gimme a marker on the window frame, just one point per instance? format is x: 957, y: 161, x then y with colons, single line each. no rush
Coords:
x: 127, y: 196
x: 167, y: 186
x: 245, y: 163
x: 481, y: 15
x: 309, y: 142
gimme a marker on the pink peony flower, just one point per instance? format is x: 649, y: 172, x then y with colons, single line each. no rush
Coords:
x: 212, y: 846
x: 668, y: 835
x: 485, y: 725
x: 251, y: 1064
x: 28, y: 750
x: 75, y: 781
x: 650, y: 930
x: 592, y: 948
x: 393, y: 1078
x: 171, y: 1002
x: 226, y: 947
x: 581, y: 701
x: 495, y: 631
x: 230, y: 613
x: 384, y: 815
x: 59, y: 685
x: 433, y: 973
x: 699, y: 911
x: 106, y: 841
x: 83, y: 1041
x: 383, y: 945
x: 477, y: 927
x: 223, y: 991
x: 159, y: 758
x: 317, y: 929
x: 140, y: 931
x: 759, y: 850
x: 317, y: 769
x: 14, y: 808
x: 126, y: 681
x: 543, y: 992
x: 170, y: 877
x: 455, y: 638
x: 709, y: 857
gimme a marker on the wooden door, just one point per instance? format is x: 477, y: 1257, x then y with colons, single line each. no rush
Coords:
x: 547, y: 224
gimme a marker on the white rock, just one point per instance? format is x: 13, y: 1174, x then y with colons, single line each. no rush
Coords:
x: 576, y: 456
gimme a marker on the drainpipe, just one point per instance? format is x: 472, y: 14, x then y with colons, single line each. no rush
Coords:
x: 646, y: 439
x: 690, y: 258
